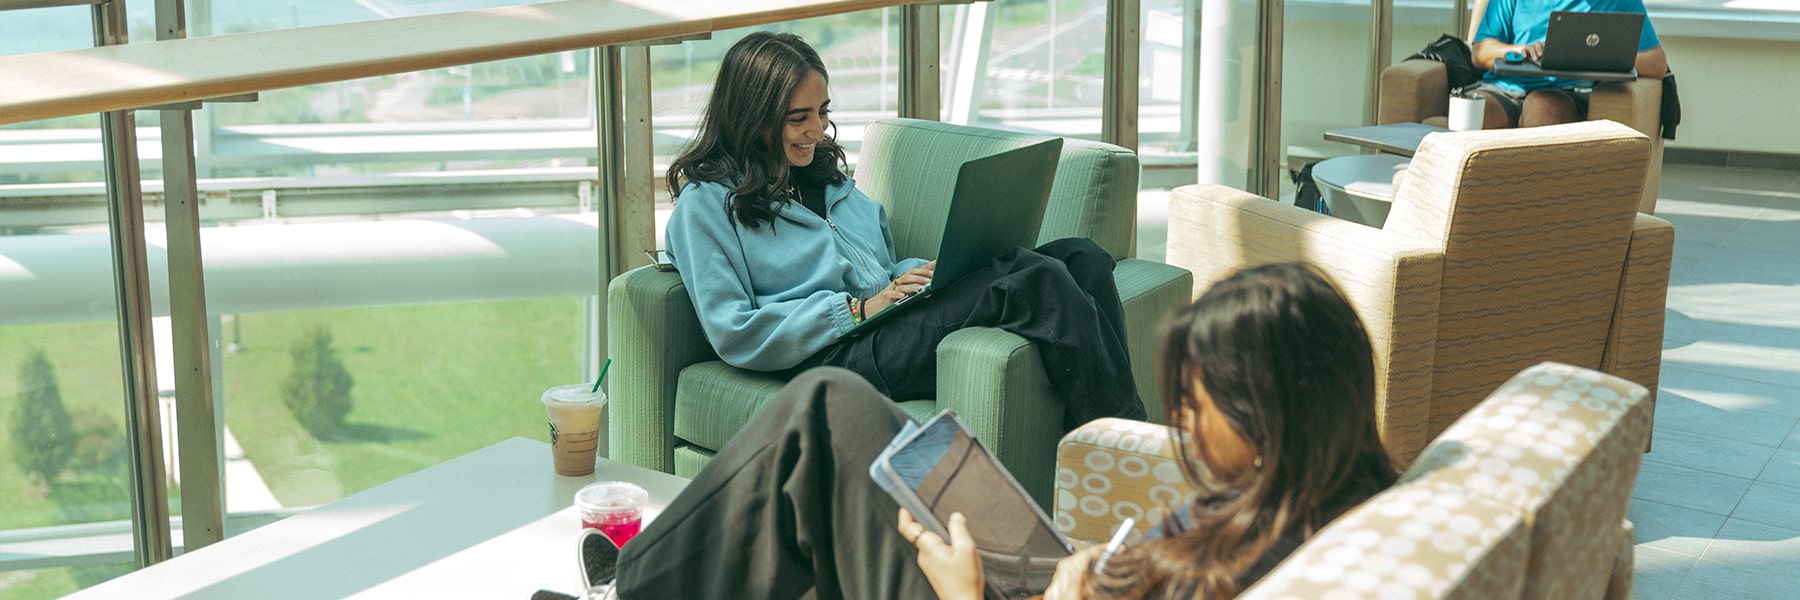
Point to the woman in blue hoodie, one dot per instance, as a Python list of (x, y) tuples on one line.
[(781, 254)]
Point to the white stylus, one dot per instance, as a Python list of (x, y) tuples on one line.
[(1112, 546)]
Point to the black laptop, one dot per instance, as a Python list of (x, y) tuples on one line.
[(1592, 41), (1601, 46), (998, 205)]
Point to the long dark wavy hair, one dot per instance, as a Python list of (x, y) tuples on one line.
[(1288, 363), (739, 143)]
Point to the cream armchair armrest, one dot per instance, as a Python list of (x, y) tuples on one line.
[(1413, 91), (1636, 104), (1391, 280), (1111, 469), (1424, 540), (1635, 340)]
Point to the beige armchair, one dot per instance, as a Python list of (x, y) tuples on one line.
[(1418, 91), (1567, 442), (1503, 249)]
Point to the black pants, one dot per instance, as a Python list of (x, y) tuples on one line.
[(787, 506), (1061, 297)]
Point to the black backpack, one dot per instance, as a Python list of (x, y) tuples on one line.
[(1459, 66), (1306, 192)]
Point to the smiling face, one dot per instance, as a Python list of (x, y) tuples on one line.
[(808, 114)]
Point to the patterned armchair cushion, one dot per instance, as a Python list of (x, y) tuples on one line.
[(1564, 444), (1425, 540), (1110, 469), (1523, 497)]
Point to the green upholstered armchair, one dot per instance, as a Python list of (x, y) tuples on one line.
[(673, 402)]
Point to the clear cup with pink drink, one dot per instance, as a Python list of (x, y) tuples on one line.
[(616, 508)]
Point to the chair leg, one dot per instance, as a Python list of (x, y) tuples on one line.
[(1618, 586)]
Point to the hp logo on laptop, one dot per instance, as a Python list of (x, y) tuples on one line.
[(1593, 39)]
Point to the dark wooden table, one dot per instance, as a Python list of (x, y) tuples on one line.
[(1396, 138)]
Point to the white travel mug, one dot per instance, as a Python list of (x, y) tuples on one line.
[(1467, 110)]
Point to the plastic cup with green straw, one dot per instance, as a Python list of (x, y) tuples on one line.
[(602, 377)]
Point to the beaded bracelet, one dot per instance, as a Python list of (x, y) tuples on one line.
[(856, 315)]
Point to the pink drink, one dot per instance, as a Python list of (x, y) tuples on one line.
[(620, 527), (616, 508)]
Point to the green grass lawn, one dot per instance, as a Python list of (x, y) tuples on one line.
[(86, 359), (431, 383)]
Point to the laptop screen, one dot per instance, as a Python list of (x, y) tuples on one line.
[(1592, 41)]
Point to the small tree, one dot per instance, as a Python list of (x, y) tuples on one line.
[(96, 486), (318, 389), (100, 451), (43, 434)]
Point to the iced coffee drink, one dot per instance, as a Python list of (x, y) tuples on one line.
[(576, 427)]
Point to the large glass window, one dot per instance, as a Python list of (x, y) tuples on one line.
[(414, 256), (64, 471), (860, 51), (64, 468), (397, 267), (1324, 74), (1044, 64)]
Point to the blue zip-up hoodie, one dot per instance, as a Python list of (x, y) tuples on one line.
[(771, 296)]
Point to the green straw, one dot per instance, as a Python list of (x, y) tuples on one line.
[(603, 369)]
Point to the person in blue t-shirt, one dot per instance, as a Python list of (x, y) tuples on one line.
[(1519, 26)]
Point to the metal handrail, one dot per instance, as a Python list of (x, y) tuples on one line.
[(6, 5), (47, 85)]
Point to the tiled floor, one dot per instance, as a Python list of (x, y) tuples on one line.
[(1717, 506)]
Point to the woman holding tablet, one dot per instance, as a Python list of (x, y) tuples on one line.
[(1276, 389)]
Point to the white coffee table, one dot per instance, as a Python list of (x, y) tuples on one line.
[(1359, 187), (495, 523)]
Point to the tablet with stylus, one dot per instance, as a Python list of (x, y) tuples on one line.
[(939, 468)]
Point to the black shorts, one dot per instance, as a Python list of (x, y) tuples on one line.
[(1513, 101)]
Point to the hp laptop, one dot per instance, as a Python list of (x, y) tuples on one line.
[(1606, 42), (998, 205)]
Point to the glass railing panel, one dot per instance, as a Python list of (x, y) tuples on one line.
[(65, 485), (1324, 74), (329, 401), (404, 228), (216, 17), (1420, 22), (1045, 62), (1166, 110), (397, 268), (46, 30), (860, 51)]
